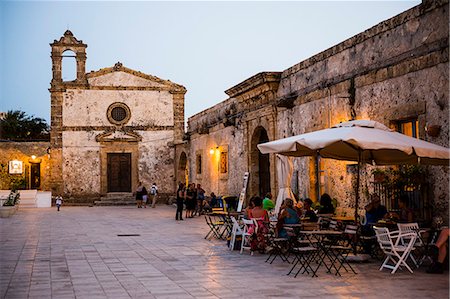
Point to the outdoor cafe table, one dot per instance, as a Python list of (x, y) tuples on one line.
[(344, 218), (324, 243)]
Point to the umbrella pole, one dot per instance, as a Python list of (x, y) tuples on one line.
[(357, 200)]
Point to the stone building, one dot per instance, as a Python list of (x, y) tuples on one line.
[(111, 128), (396, 73)]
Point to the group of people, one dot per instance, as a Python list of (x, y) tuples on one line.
[(193, 197), (260, 209), (142, 195)]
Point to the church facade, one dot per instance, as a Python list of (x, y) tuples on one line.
[(111, 128)]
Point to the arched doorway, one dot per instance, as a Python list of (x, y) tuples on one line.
[(183, 173), (259, 164)]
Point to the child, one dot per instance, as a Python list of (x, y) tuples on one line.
[(58, 201)]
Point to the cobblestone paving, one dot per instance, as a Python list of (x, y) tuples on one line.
[(77, 253)]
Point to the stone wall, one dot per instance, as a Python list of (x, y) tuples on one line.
[(392, 72), (395, 71), (23, 151)]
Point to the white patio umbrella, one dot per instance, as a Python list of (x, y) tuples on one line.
[(364, 141), (284, 173)]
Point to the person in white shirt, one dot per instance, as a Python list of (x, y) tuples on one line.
[(58, 202), (153, 194)]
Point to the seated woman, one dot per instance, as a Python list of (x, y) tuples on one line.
[(249, 208), (258, 238), (288, 215), (406, 214), (326, 204)]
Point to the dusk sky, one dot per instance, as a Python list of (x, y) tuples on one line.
[(206, 46)]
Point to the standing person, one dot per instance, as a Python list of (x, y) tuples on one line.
[(138, 193), (200, 199), (194, 200), (180, 200), (58, 201), (153, 194), (144, 197), (189, 201)]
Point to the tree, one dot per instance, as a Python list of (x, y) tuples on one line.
[(17, 125)]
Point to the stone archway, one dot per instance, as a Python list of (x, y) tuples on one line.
[(259, 164), (183, 172)]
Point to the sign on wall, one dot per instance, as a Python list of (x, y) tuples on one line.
[(15, 167)]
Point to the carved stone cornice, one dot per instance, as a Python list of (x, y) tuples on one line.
[(118, 67), (253, 82), (68, 40), (118, 136)]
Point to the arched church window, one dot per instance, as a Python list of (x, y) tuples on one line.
[(69, 66), (118, 113)]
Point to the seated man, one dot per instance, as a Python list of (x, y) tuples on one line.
[(374, 210), (441, 244)]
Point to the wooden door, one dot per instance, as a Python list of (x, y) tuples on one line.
[(119, 172), (35, 176)]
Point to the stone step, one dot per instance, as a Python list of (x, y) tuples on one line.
[(118, 202), (27, 203)]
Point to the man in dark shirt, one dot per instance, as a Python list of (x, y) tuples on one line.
[(374, 210)]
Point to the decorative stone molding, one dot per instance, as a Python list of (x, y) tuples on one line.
[(122, 136)]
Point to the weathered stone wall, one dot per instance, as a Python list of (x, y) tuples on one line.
[(235, 126), (395, 71), (23, 151), (87, 108)]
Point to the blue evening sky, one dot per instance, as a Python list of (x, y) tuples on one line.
[(206, 46)]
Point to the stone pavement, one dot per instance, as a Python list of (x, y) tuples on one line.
[(77, 253)]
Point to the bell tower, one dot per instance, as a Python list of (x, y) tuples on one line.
[(57, 90), (68, 43)]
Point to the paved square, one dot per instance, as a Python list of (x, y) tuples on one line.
[(77, 253)]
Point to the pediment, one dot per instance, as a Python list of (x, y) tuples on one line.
[(120, 76), (118, 136)]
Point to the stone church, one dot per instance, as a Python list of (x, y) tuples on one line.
[(111, 128)]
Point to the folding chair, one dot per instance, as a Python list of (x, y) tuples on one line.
[(414, 228), (278, 246), (214, 228), (303, 255), (250, 226), (237, 230), (395, 253)]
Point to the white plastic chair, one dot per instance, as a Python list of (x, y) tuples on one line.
[(413, 228), (395, 253), (249, 227), (236, 231)]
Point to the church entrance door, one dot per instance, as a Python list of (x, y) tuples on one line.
[(119, 172)]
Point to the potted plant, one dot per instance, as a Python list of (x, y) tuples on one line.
[(379, 175), (11, 205)]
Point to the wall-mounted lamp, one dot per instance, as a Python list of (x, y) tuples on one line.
[(33, 157), (212, 150), (433, 130)]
